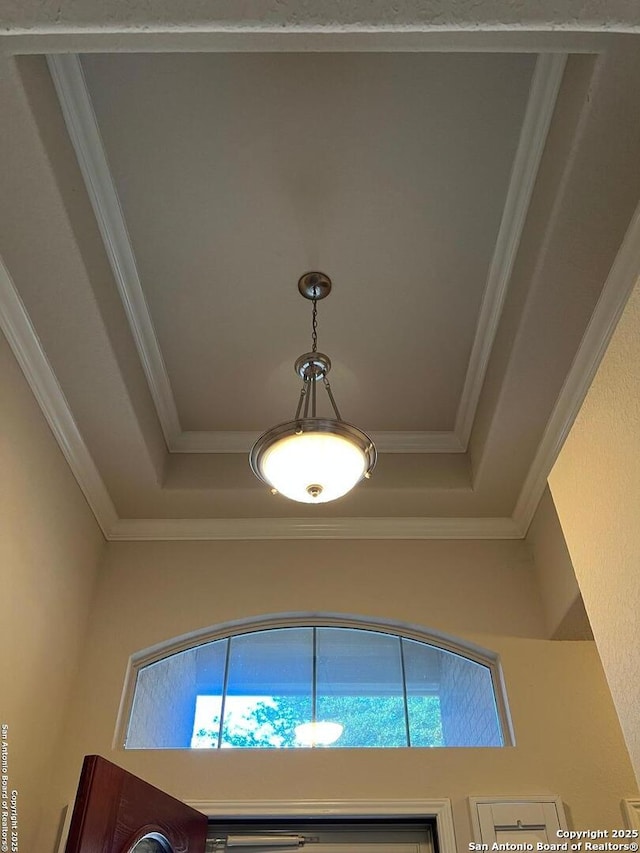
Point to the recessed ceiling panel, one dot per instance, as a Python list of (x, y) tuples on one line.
[(238, 172)]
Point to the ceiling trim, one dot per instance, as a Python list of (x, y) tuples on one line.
[(33, 361), (406, 17), (29, 353), (621, 280), (145, 529), (543, 94), (26, 346), (386, 442), (28, 350), (68, 77)]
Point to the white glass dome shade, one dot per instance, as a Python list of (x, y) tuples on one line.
[(318, 733), (313, 460)]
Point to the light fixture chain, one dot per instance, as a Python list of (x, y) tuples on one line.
[(314, 323)]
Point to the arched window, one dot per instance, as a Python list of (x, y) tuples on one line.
[(310, 685)]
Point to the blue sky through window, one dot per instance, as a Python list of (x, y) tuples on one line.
[(277, 688)]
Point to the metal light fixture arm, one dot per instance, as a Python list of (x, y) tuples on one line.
[(313, 459)]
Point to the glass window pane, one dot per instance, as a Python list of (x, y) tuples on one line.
[(459, 690), (270, 700), (210, 668), (359, 686), (422, 665), (163, 712), (269, 688)]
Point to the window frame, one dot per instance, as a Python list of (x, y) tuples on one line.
[(193, 640)]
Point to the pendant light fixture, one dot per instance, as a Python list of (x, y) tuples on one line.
[(313, 459)]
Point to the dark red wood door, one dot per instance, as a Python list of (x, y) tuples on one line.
[(114, 810)]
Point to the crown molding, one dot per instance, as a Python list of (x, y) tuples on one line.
[(543, 94), (177, 529), (620, 282), (27, 348), (33, 361), (77, 109), (44, 384), (360, 17), (28, 351), (385, 442), (82, 125)]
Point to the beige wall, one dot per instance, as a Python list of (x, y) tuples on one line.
[(50, 550), (568, 740), (596, 489), (561, 598)]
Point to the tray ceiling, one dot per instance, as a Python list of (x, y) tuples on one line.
[(242, 171), (169, 202)]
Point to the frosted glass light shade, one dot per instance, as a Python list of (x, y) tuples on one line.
[(318, 734), (314, 460), (298, 465)]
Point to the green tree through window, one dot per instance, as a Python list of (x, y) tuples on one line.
[(305, 685), (271, 723)]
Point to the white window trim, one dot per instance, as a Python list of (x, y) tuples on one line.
[(427, 809), (267, 622)]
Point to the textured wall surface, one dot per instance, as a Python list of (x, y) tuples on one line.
[(557, 580), (596, 489), (568, 741)]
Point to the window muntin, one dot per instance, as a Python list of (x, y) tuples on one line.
[(263, 688), (269, 688), (359, 684)]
